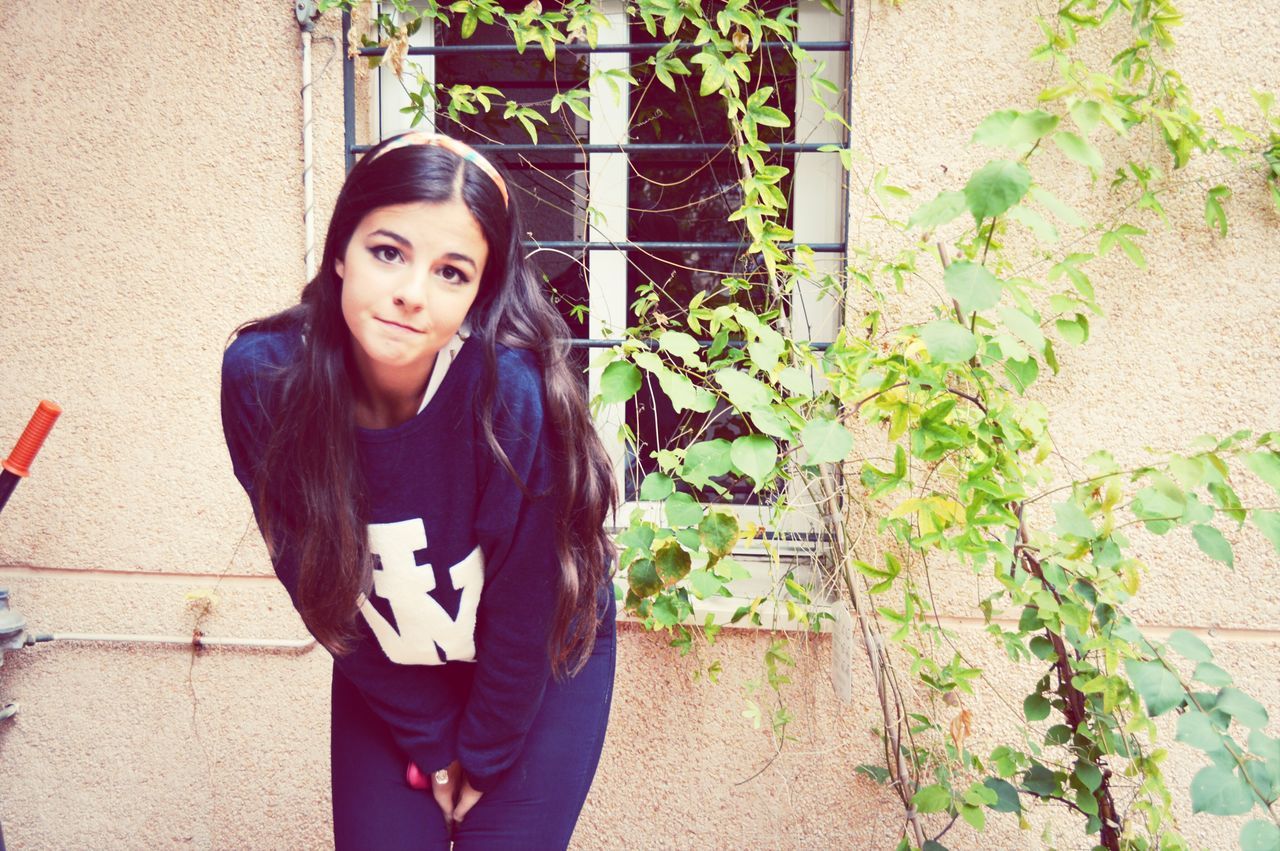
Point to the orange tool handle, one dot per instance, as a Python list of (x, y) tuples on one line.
[(19, 460)]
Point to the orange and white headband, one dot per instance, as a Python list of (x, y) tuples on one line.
[(462, 149)]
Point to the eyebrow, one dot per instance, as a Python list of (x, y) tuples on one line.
[(400, 240), (393, 236)]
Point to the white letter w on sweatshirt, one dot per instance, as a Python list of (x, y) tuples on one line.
[(406, 585)]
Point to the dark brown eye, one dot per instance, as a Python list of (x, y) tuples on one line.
[(453, 275)]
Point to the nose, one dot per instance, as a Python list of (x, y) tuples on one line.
[(412, 292)]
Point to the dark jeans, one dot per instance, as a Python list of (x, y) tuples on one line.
[(536, 803)]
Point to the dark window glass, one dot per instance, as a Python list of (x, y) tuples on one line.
[(686, 196)]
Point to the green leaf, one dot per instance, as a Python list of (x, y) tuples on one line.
[(755, 455), (769, 421), (1220, 791), (1022, 372), (996, 187), (976, 818), (797, 381), (1042, 781), (1086, 114), (1023, 326), (1079, 150), (671, 561), (932, 799), (1195, 729), (1154, 503), (681, 391), (1009, 128), (1213, 544), (878, 773), (745, 392), (1158, 686), (619, 382), (657, 486), (1089, 775), (1214, 214), (766, 351), (682, 510), (948, 341), (1036, 707), (1121, 236), (469, 22), (719, 532), (1074, 331), (1007, 800), (689, 539), (713, 78), (1073, 521), (1211, 675), (1243, 708), (1034, 222), (826, 441), (1268, 748), (1268, 522), (1005, 761), (1189, 472), (939, 211), (1266, 466), (637, 536), (1066, 214), (996, 130), (668, 610), (1260, 835), (1058, 734), (972, 286), (705, 460), (680, 345), (978, 795), (705, 584), (643, 579), (1189, 645), (1043, 648)]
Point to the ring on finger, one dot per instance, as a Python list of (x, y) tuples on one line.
[(441, 777)]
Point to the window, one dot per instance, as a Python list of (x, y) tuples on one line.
[(630, 204)]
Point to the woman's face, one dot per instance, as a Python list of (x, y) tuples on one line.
[(409, 275)]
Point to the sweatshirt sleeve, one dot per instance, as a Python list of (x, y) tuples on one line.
[(243, 416), (420, 704), (516, 529)]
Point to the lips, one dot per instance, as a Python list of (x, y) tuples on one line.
[(398, 325)]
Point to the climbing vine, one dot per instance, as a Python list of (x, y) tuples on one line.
[(912, 437)]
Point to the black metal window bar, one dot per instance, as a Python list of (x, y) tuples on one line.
[(353, 149)]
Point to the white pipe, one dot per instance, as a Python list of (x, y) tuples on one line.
[(300, 644), (308, 199)]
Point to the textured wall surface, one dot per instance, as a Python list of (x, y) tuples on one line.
[(152, 201)]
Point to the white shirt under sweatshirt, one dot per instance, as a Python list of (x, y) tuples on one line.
[(444, 359)]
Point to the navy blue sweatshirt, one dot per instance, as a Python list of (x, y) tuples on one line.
[(452, 648)]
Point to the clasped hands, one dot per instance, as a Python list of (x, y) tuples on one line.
[(453, 792)]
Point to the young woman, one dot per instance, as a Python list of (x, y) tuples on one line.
[(433, 495)]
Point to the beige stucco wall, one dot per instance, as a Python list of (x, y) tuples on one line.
[(151, 202)]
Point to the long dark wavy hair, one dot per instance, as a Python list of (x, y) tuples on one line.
[(309, 485)]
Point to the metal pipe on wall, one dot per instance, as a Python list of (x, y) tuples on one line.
[(299, 644), (306, 12)]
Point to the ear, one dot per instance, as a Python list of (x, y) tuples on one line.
[(339, 267)]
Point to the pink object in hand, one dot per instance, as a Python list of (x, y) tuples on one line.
[(415, 778)]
